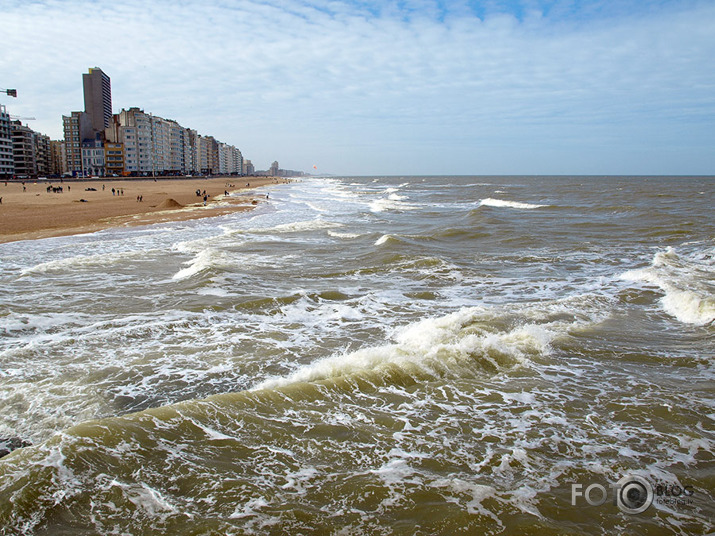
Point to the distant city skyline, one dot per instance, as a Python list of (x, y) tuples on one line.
[(412, 87)]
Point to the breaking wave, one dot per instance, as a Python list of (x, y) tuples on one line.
[(686, 281), (489, 202), (471, 341)]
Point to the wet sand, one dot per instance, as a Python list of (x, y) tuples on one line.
[(32, 212)]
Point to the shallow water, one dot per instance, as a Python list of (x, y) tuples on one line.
[(383, 355)]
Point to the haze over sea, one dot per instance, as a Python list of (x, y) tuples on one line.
[(374, 355)]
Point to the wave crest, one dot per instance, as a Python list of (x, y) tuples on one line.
[(687, 282), (500, 203), (465, 343)]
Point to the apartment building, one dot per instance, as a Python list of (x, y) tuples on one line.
[(114, 158), (7, 162), (31, 151), (77, 127), (98, 98), (93, 162), (43, 154), (58, 157)]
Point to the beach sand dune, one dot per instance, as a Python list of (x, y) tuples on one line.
[(169, 204), (39, 209)]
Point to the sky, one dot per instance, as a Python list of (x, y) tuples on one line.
[(366, 87)]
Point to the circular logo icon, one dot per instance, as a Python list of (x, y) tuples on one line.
[(633, 494)]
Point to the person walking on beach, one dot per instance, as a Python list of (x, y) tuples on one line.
[(205, 198)]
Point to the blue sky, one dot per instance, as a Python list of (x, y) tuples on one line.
[(407, 87)]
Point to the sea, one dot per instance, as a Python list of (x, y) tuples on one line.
[(370, 356)]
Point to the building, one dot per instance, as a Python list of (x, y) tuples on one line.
[(156, 146), (7, 162), (248, 168), (93, 163), (58, 157), (135, 130), (114, 158), (191, 152), (23, 150), (43, 154), (77, 128), (275, 170), (98, 98), (84, 131)]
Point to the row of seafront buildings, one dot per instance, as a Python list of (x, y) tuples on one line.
[(100, 143), (24, 152)]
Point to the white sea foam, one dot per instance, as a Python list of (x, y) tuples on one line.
[(204, 260), (392, 202), (84, 261), (344, 235), (501, 203), (300, 226), (687, 282), (383, 239), (447, 345)]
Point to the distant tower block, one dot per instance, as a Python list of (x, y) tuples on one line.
[(98, 98)]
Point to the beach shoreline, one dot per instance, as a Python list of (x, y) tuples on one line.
[(32, 210)]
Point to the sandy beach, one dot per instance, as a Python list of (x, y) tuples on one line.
[(35, 210)]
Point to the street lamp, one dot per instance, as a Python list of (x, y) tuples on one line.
[(10, 92)]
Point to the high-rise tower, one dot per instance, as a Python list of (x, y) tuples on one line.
[(98, 98)]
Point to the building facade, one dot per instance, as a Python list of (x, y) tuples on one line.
[(23, 150), (43, 154), (114, 158), (98, 98), (77, 128), (58, 157), (93, 164), (7, 162)]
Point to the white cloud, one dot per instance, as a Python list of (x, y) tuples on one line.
[(307, 81)]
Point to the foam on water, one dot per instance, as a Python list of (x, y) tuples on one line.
[(688, 282), (346, 236), (206, 259), (384, 239), (85, 261), (451, 346), (500, 203), (301, 226), (391, 203)]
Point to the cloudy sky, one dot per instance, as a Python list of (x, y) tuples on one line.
[(390, 87)]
